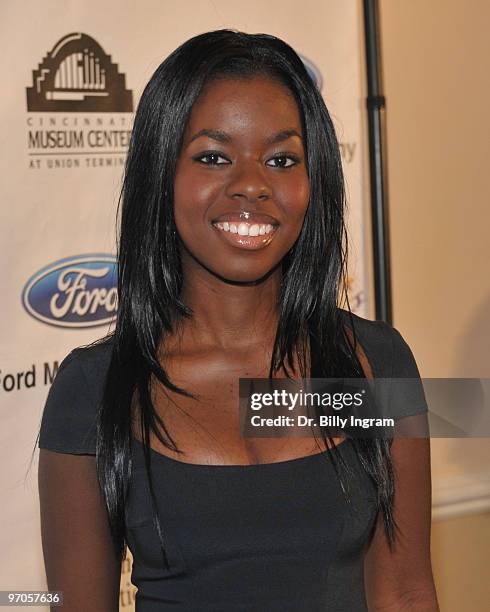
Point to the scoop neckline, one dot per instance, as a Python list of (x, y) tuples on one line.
[(236, 466)]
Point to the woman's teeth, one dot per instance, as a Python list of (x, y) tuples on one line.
[(245, 229)]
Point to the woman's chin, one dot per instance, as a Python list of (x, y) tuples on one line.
[(243, 274), (229, 269), (244, 277)]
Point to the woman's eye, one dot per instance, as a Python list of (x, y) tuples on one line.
[(211, 159), (283, 161)]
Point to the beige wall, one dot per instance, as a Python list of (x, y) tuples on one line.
[(436, 80), (460, 551)]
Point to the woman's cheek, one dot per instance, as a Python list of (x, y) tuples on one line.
[(193, 196), (294, 201)]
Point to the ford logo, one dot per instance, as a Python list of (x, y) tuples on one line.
[(313, 71), (78, 291)]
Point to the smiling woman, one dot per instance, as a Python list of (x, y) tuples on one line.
[(231, 264), (244, 186)]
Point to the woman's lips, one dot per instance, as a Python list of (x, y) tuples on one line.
[(244, 216), (246, 229), (246, 234)]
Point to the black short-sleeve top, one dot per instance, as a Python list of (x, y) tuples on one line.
[(266, 537)]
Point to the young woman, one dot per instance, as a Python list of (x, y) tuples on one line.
[(232, 260)]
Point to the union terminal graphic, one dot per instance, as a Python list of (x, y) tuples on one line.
[(78, 76)]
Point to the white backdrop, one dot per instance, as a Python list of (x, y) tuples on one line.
[(66, 117)]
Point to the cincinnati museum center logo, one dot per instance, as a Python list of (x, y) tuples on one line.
[(79, 108)]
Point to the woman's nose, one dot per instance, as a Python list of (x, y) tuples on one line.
[(248, 181)]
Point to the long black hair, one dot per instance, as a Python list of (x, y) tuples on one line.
[(150, 279)]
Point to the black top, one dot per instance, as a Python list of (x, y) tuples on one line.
[(253, 538)]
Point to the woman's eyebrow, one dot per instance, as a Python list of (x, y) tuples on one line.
[(282, 135), (221, 136), (218, 135)]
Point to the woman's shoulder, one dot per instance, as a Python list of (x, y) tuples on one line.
[(388, 352), (84, 368), (69, 415), (92, 359)]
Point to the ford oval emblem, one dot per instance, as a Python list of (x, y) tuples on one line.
[(78, 291), (313, 71)]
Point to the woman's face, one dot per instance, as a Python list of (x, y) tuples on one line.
[(241, 185)]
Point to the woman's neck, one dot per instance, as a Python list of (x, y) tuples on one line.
[(227, 315)]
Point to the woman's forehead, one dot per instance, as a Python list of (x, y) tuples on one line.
[(238, 107)]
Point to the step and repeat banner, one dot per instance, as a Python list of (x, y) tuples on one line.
[(72, 73)]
